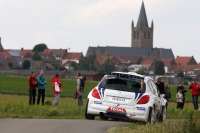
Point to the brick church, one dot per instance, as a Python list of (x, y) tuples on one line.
[(141, 42)]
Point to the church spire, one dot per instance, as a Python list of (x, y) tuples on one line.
[(142, 17), (1, 47)]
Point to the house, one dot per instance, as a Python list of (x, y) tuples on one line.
[(185, 60), (72, 56), (93, 76), (59, 54)]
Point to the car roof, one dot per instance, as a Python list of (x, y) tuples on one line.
[(128, 75)]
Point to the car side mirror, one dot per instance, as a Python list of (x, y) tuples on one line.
[(162, 95)]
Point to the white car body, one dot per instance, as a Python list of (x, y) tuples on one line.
[(123, 101)]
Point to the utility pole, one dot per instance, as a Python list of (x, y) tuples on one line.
[(69, 61)]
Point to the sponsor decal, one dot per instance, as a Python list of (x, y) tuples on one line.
[(131, 115), (134, 107), (115, 109), (101, 92), (97, 102), (141, 108), (137, 96)]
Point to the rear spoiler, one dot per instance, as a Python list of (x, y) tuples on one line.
[(124, 75)]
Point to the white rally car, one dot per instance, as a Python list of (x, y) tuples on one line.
[(121, 95)]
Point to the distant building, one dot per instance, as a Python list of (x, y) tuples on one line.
[(141, 43)]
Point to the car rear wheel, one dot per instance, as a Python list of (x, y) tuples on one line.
[(151, 117), (163, 114), (103, 117), (88, 116)]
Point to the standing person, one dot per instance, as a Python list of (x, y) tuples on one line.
[(41, 87), (183, 90), (179, 99), (195, 92), (167, 93), (160, 85), (32, 88), (57, 87), (79, 89)]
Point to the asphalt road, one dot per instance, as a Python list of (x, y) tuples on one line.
[(56, 126)]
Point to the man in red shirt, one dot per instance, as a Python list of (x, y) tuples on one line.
[(195, 92), (57, 88), (32, 88)]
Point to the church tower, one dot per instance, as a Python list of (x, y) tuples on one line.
[(142, 34), (1, 47)]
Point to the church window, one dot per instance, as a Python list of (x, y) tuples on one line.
[(145, 35), (134, 34), (148, 35), (137, 34)]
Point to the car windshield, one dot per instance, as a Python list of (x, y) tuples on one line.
[(123, 84)]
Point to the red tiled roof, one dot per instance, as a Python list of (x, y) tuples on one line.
[(5, 54), (120, 59), (147, 62), (73, 55), (24, 52), (167, 61), (183, 60), (102, 59)]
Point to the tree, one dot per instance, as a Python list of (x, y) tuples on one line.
[(36, 57), (26, 64), (87, 63), (125, 70), (40, 47), (10, 64), (108, 66), (159, 68), (180, 74), (142, 72)]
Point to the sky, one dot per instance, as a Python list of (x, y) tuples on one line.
[(78, 24)]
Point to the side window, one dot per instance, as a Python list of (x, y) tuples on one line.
[(103, 83), (151, 87), (155, 88)]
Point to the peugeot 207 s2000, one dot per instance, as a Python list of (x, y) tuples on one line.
[(126, 96)]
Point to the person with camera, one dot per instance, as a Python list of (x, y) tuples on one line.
[(194, 86), (183, 91), (160, 85)]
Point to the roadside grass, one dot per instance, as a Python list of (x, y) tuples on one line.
[(16, 106)]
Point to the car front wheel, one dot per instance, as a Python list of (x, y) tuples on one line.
[(88, 116)]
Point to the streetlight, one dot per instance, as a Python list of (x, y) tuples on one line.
[(69, 62)]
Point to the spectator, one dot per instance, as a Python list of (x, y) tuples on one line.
[(41, 88), (167, 93), (79, 89), (183, 91), (160, 85), (179, 99), (32, 88), (57, 88), (195, 92)]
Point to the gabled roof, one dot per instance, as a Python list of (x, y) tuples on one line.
[(184, 60), (167, 61), (183, 68), (102, 59), (24, 52), (47, 57), (57, 52), (14, 52), (73, 55), (142, 19), (5, 54), (132, 59), (136, 51), (147, 62)]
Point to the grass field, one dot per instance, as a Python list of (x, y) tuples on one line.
[(14, 104), (19, 85)]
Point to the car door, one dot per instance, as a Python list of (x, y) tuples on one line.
[(156, 94)]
